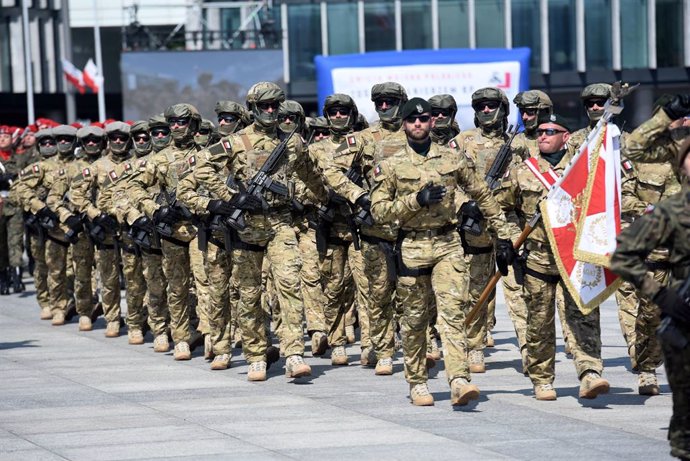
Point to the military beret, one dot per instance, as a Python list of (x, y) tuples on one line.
[(4, 129), (556, 119), (415, 106)]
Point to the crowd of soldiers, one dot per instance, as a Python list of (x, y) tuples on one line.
[(271, 223)]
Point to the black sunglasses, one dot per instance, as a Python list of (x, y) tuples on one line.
[(227, 118), (549, 131), (265, 105), (118, 137), (333, 111), (291, 117), (47, 142), (530, 112), (389, 101), (439, 112), (64, 139), (160, 130), (179, 121), (421, 118), (92, 140), (141, 137), (203, 131), (492, 105), (592, 102)]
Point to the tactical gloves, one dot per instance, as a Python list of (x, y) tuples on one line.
[(245, 201), (431, 195), (74, 223), (364, 202), (678, 107), (167, 215), (107, 222), (220, 207), (505, 255)]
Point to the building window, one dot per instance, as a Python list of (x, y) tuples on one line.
[(526, 32), (304, 25), (669, 33), (343, 37), (490, 24), (379, 26), (634, 34), (452, 24), (416, 24), (598, 34), (562, 39)]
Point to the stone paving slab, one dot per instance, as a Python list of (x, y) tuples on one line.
[(69, 395)]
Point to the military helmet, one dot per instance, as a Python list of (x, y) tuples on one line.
[(313, 124), (118, 130), (206, 133), (46, 150), (533, 99), (445, 102), (500, 115), (92, 131), (389, 89), (596, 91), (340, 125), (140, 126), (159, 125), (237, 112), (65, 131), (183, 110), (264, 92), (158, 120)]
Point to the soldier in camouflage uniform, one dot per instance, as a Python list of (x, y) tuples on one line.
[(32, 192), (92, 140), (336, 155), (91, 197), (11, 222), (541, 274), (376, 305), (317, 129), (160, 133), (415, 190), (128, 214), (160, 176), (268, 230), (659, 138), (481, 145), (667, 225), (593, 98), (22, 194)]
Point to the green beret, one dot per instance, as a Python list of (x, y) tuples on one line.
[(415, 106), (558, 120)]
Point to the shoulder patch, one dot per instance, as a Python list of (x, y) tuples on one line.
[(35, 168), (142, 164), (627, 166), (218, 148), (377, 170), (128, 167), (351, 140), (86, 172), (113, 175), (61, 172), (192, 160), (454, 144)]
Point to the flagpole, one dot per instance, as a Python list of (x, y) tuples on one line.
[(99, 62), (28, 66), (70, 101)]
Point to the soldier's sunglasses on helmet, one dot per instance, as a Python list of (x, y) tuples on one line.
[(321, 132), (141, 137), (265, 105), (179, 121), (388, 101), (164, 131), (65, 139), (333, 111), (440, 112), (227, 118), (92, 140), (47, 142), (530, 112), (479, 106), (592, 102), (118, 137), (203, 131), (421, 118), (291, 117), (549, 131)]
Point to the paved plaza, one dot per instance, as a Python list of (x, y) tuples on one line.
[(66, 395)]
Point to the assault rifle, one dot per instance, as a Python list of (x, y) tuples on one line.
[(501, 162), (262, 182), (174, 206)]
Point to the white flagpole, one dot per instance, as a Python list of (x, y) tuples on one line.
[(99, 62), (28, 65)]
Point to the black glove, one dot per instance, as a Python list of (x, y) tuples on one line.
[(220, 207), (672, 305), (5, 181), (245, 201), (431, 195), (107, 222), (166, 214), (47, 218), (505, 255), (142, 223), (74, 223), (336, 198), (364, 202), (678, 107)]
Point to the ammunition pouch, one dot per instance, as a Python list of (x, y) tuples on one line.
[(520, 267)]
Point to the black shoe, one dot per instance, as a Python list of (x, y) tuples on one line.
[(272, 355), (71, 312), (4, 282), (97, 312)]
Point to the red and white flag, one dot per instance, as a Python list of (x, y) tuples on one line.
[(582, 217), (73, 75), (92, 76)]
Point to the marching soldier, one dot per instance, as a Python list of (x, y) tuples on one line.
[(666, 225), (415, 189)]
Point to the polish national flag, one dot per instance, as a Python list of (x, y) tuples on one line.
[(582, 217), (92, 76), (73, 75)]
